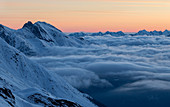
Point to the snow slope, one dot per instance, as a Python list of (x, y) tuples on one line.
[(23, 83)]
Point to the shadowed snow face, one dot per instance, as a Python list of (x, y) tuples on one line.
[(120, 64)]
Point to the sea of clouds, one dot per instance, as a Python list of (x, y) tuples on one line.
[(131, 71)]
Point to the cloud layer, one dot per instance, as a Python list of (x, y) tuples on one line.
[(134, 66)]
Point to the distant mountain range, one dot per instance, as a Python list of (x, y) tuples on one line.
[(144, 32), (120, 33), (81, 34)]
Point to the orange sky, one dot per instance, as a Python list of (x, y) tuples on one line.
[(88, 15)]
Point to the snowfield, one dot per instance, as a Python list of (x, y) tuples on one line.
[(42, 66)]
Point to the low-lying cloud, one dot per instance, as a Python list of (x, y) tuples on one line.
[(81, 78), (120, 64)]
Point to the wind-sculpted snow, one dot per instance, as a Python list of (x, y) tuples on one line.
[(122, 71)]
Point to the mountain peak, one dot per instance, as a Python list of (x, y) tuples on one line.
[(28, 24), (166, 30)]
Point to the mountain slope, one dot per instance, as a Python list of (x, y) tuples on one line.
[(25, 83)]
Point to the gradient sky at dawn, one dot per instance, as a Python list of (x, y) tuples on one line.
[(88, 15)]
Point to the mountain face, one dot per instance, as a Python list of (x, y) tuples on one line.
[(23, 82), (33, 39)]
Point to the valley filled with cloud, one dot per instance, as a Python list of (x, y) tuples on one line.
[(115, 70)]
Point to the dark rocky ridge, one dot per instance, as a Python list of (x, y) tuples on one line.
[(7, 95), (50, 102)]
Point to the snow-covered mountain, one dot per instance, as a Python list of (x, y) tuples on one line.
[(24, 83), (34, 39)]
